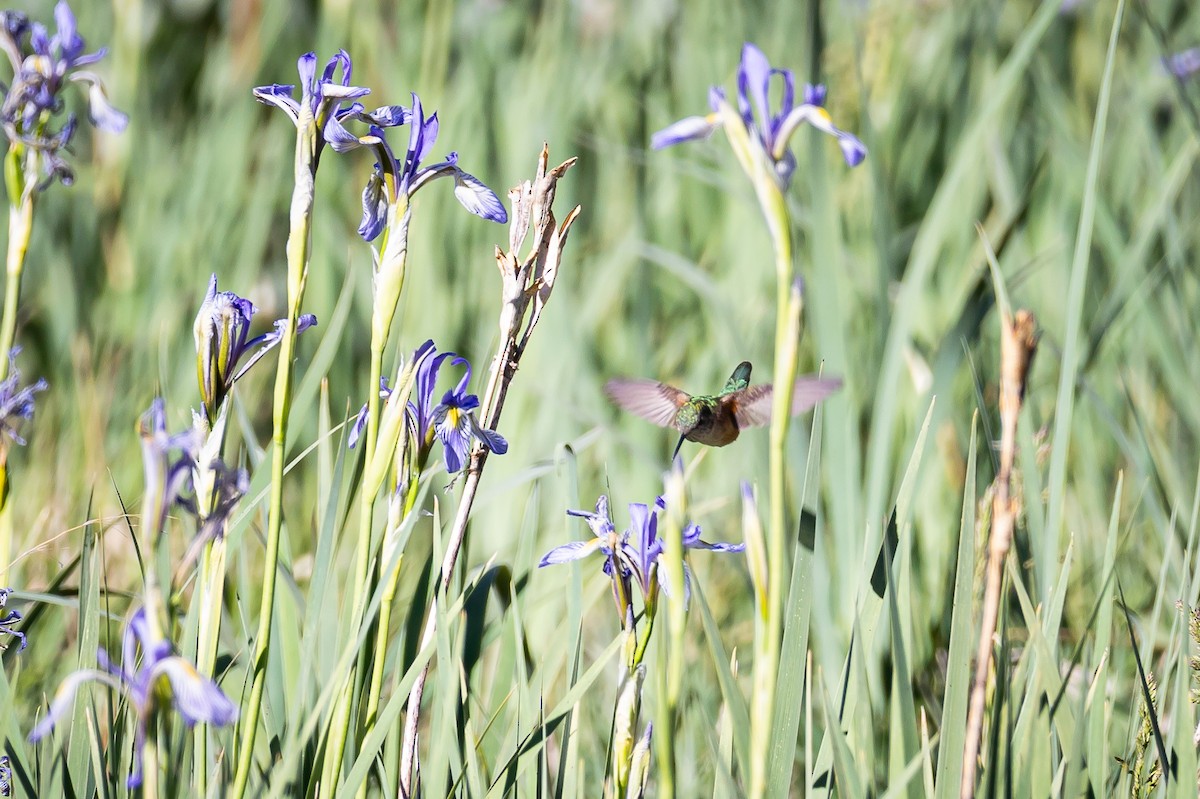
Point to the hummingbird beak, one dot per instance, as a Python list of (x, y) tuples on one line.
[(678, 446)]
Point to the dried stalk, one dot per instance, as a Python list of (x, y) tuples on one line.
[(1018, 342), (527, 284)]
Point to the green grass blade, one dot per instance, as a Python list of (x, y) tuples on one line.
[(958, 660), (1047, 552)]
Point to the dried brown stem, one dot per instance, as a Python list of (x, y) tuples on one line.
[(527, 282), (1018, 341)]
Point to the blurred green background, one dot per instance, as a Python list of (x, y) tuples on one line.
[(668, 275)]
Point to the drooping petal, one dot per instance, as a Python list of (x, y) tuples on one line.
[(267, 341), (356, 429), (490, 438), (573, 550), (280, 96), (454, 433), (64, 698), (100, 112), (390, 116), (197, 698), (494, 441), (477, 198), (340, 139), (686, 129), (853, 150), (374, 206)]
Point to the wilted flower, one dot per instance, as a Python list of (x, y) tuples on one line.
[(221, 331), (394, 181), (162, 677), (8, 624), (625, 718), (42, 66), (16, 404), (639, 765), (770, 130), (227, 487), (165, 477)]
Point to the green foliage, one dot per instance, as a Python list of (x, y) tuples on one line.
[(980, 112)]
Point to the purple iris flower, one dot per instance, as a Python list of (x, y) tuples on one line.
[(221, 331), (649, 547), (198, 699), (321, 99), (16, 403), (456, 425), (420, 412), (8, 624), (320, 102), (771, 129), (42, 66), (394, 181), (452, 421), (607, 542), (1184, 64), (636, 551), (605, 538), (5, 777)]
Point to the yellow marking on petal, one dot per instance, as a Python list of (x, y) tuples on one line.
[(452, 416), (821, 112)]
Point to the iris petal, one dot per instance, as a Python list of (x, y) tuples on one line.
[(477, 198), (686, 129)]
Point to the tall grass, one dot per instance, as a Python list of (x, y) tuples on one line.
[(1076, 160)]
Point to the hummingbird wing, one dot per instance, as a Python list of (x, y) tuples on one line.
[(653, 401), (739, 379), (752, 407)]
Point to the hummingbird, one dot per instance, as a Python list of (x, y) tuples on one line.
[(714, 419)]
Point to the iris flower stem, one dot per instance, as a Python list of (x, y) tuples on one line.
[(375, 689), (389, 283), (639, 653), (759, 167), (787, 336), (211, 589), (340, 728), (20, 227), (297, 265), (150, 761), (212, 581)]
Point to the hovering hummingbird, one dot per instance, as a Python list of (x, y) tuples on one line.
[(715, 419)]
